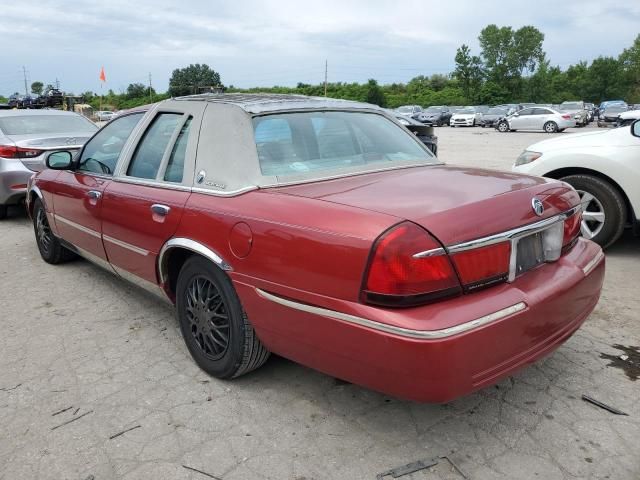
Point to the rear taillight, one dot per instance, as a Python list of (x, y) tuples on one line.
[(483, 266), (408, 267), (572, 227), (11, 151), (566, 116)]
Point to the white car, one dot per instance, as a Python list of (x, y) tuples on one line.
[(467, 117), (104, 115), (627, 118), (604, 167)]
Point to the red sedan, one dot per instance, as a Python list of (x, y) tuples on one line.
[(325, 232)]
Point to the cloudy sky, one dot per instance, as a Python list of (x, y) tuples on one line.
[(264, 43)]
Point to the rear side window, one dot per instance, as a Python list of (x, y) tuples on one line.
[(147, 158), (526, 111), (175, 167)]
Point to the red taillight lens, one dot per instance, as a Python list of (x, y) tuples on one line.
[(11, 151), (566, 116), (483, 266), (572, 227), (396, 277)]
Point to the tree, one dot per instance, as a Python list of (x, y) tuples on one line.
[(189, 80), (36, 88), (374, 94), (468, 72), (137, 90), (630, 71), (605, 79)]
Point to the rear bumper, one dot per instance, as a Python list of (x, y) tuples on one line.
[(554, 300), (13, 181)]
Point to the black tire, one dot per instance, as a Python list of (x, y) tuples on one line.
[(560, 130), (51, 250), (550, 127), (612, 203), (3, 212), (503, 126), (241, 351)]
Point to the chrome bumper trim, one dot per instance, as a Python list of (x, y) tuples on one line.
[(128, 246), (403, 332), (593, 263), (77, 226)]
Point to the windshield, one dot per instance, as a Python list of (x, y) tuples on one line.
[(301, 144), (433, 110), (45, 124), (497, 111), (466, 110)]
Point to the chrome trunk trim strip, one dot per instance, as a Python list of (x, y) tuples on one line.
[(430, 253), (403, 332)]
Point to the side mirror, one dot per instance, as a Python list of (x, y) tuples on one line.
[(635, 128), (59, 160)]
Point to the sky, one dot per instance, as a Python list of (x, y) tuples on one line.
[(265, 43)]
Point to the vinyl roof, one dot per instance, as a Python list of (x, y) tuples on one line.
[(269, 102)]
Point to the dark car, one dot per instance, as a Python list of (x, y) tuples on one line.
[(493, 116), (437, 116), (609, 114), (424, 132)]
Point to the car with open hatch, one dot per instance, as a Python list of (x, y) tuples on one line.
[(324, 231)]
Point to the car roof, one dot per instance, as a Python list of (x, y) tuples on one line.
[(257, 103), (28, 112)]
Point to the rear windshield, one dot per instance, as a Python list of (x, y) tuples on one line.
[(330, 143), (45, 124)]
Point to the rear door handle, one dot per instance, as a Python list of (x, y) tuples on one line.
[(94, 194), (159, 209)]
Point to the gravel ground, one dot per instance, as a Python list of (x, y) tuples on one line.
[(85, 356)]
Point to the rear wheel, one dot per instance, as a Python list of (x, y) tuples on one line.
[(3, 212), (51, 250), (503, 126), (214, 326), (550, 127), (603, 209)]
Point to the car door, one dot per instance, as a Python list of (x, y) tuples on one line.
[(143, 206), (522, 119), (77, 194)]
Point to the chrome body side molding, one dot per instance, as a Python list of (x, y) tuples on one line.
[(77, 226), (187, 244), (128, 246), (403, 332)]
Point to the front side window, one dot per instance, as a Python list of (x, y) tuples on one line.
[(147, 158), (101, 153), (328, 143)]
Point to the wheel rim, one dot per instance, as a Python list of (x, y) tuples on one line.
[(208, 317), (593, 216), (43, 231), (549, 127), (502, 127)]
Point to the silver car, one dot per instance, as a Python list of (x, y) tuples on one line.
[(25, 136), (537, 118)]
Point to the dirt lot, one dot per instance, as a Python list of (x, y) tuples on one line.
[(80, 346)]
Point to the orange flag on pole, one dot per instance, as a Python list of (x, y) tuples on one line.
[(103, 77)]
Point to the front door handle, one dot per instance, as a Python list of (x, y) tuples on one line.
[(159, 209), (94, 194)]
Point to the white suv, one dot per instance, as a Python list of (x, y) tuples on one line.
[(604, 167)]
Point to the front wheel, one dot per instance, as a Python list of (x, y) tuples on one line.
[(603, 209), (503, 127), (214, 326), (550, 127), (51, 250)]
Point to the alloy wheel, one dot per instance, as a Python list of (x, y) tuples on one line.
[(43, 230), (208, 317), (593, 216)]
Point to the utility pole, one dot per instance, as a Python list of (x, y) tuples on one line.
[(24, 72), (325, 77), (150, 97)]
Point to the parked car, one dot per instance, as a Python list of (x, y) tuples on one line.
[(465, 117), (578, 110), (334, 238), (537, 118), (424, 132), (609, 114), (25, 137), (437, 116), (412, 111), (493, 116), (104, 115), (603, 167), (591, 111), (628, 117)]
